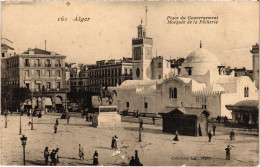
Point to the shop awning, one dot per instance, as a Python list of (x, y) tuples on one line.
[(48, 101), (58, 100)]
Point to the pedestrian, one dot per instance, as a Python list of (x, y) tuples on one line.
[(214, 129), (113, 143), (176, 138), (232, 135), (68, 118), (141, 125), (87, 118), (46, 155), (90, 118), (57, 156), (57, 121), (81, 152), (55, 128), (153, 120), (82, 114), (95, 158), (52, 155), (137, 161), (134, 113), (132, 161), (228, 152), (210, 136), (137, 114), (116, 141), (226, 120)]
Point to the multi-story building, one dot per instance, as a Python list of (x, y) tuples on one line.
[(7, 50), (79, 78), (109, 73), (42, 72), (255, 52)]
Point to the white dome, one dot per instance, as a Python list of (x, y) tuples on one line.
[(201, 55), (200, 62)]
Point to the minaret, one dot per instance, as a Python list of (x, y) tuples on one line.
[(142, 52)]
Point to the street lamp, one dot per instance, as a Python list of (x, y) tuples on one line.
[(23, 140), (20, 122), (6, 119), (140, 131), (32, 120)]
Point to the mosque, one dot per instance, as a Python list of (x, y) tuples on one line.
[(200, 82)]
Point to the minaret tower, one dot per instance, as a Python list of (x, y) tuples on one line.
[(142, 53)]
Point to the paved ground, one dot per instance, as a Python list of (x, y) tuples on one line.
[(156, 148)]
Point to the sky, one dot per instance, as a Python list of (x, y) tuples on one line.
[(112, 25)]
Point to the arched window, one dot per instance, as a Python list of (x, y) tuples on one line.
[(246, 92), (175, 93), (159, 65), (189, 72)]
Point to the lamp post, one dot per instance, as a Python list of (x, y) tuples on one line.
[(20, 132), (23, 140), (140, 131), (6, 119), (32, 121)]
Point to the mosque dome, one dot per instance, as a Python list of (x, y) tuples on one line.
[(199, 62), (201, 55)]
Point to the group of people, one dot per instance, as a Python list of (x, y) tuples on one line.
[(222, 119), (135, 160), (53, 155), (114, 142)]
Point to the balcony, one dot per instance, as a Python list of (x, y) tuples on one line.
[(50, 90), (47, 65), (27, 64), (37, 65), (57, 65)]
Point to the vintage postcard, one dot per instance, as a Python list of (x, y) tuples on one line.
[(137, 83)]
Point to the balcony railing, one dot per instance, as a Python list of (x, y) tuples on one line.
[(57, 65), (47, 65), (50, 90), (37, 65), (27, 64)]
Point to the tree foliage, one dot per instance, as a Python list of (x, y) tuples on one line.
[(13, 98)]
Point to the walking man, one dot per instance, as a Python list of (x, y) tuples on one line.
[(214, 129), (46, 155), (53, 157), (113, 143), (232, 135), (116, 141), (57, 156), (141, 125), (87, 118), (55, 128), (228, 152), (95, 158), (210, 136), (57, 121), (81, 152)]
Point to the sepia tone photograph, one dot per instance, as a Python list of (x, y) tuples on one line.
[(137, 83)]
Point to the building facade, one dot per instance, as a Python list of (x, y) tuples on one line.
[(109, 73), (79, 78), (42, 72), (200, 82)]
